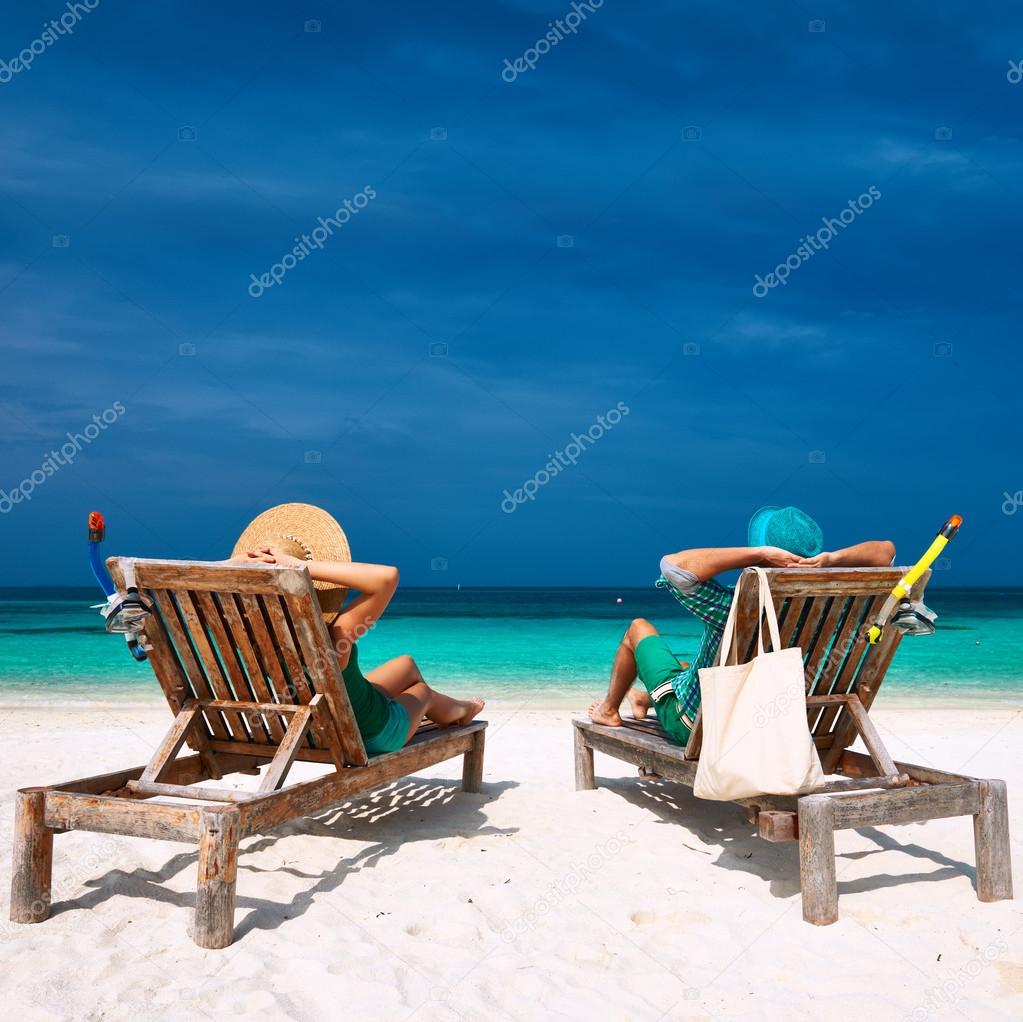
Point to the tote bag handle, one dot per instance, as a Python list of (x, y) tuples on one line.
[(729, 652)]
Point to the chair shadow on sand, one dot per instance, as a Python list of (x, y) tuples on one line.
[(407, 810), (723, 824)]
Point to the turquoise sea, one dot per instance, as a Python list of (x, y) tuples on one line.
[(544, 647)]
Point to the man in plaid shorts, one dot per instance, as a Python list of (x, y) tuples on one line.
[(672, 686)]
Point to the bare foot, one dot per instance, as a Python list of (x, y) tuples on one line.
[(473, 707), (640, 701), (601, 713)]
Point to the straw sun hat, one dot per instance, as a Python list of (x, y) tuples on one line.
[(306, 532)]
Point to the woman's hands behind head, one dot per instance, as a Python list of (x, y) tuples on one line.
[(270, 554)]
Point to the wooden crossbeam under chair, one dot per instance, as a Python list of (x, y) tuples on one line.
[(245, 662), (823, 611)]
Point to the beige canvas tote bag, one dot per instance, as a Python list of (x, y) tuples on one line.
[(755, 736)]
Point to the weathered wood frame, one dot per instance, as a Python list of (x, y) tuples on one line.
[(320, 728), (872, 789)]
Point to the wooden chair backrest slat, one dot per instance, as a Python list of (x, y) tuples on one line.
[(320, 660), (245, 633), (227, 657), (168, 636), (202, 648), (270, 728), (825, 612), (792, 613), (268, 661)]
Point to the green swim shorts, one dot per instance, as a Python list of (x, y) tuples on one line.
[(660, 671)]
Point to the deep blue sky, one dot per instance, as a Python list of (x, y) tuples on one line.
[(895, 352)]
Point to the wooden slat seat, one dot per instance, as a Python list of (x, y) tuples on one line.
[(245, 662), (823, 612)]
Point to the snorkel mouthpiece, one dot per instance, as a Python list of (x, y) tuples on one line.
[(951, 527), (97, 527)]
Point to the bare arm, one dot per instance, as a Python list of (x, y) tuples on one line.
[(875, 553), (706, 562), (375, 584), (366, 578)]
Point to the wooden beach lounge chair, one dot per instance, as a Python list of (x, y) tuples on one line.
[(823, 611), (245, 661)]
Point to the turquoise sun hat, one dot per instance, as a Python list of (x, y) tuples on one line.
[(788, 528)]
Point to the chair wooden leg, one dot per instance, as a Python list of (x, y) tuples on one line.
[(472, 764), (817, 878), (584, 780), (218, 871), (991, 840), (32, 868)]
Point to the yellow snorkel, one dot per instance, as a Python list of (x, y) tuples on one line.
[(910, 618)]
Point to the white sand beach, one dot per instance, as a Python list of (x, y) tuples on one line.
[(529, 901)]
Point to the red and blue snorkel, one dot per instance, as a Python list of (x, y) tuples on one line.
[(125, 613)]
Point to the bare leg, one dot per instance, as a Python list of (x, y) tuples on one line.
[(623, 674), (401, 680)]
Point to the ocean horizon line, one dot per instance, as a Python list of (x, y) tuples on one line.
[(90, 591)]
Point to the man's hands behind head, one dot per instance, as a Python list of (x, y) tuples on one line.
[(776, 557), (822, 560)]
